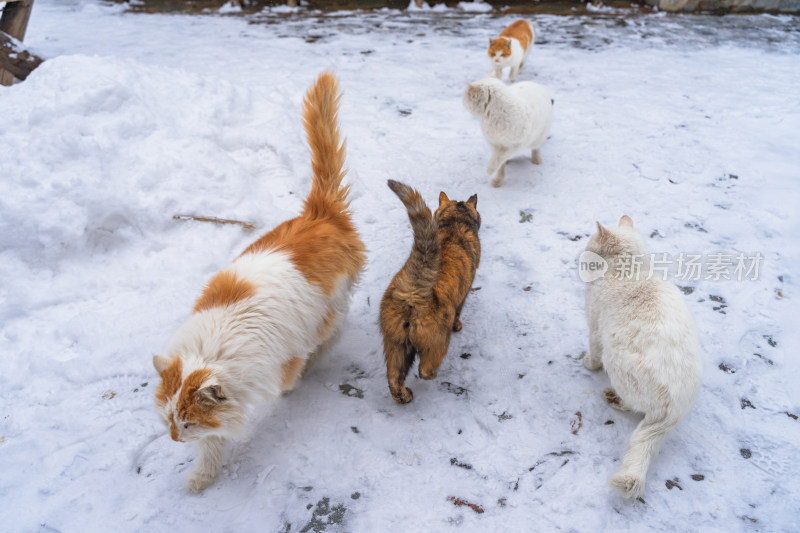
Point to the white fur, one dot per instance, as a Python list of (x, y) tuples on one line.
[(246, 344), (514, 62), (642, 333), (513, 118)]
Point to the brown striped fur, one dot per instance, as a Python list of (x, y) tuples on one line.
[(423, 303)]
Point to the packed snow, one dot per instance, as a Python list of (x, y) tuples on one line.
[(689, 124)]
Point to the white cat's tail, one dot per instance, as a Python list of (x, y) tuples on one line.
[(320, 110), (643, 447)]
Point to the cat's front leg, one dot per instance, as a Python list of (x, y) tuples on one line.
[(207, 466), (536, 156), (498, 178), (512, 74)]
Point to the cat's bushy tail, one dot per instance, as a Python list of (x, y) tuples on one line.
[(320, 110), (422, 266), (643, 447)]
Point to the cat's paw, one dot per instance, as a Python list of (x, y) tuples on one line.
[(592, 364), (425, 373), (403, 395), (612, 399), (457, 325), (199, 481), (628, 485)]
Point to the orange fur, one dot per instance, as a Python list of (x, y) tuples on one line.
[(224, 289), (323, 250), (170, 381), (321, 122), (190, 408), (327, 326), (521, 31), (322, 242), (502, 45), (291, 371)]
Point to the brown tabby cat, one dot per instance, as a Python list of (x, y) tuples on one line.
[(424, 300)]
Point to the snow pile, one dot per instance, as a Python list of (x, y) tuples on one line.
[(475, 6)]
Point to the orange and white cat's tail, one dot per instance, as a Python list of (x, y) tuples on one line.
[(422, 267), (320, 110)]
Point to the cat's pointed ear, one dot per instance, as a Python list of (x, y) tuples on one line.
[(160, 363), (491, 41), (508, 43), (626, 221), (473, 201), (443, 198), (603, 232), (210, 396)]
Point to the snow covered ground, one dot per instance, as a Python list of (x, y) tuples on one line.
[(688, 124)]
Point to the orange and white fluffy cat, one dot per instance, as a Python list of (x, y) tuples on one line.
[(511, 49), (262, 321)]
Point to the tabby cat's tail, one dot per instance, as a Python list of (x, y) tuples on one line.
[(422, 266), (320, 110)]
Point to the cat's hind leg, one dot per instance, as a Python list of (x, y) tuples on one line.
[(399, 358), (643, 447), (432, 353), (536, 156), (457, 321), (612, 399), (207, 466)]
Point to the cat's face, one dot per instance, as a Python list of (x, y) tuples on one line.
[(451, 211), (191, 406), (624, 239), (499, 50)]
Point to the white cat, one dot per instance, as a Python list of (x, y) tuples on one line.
[(641, 332), (513, 118)]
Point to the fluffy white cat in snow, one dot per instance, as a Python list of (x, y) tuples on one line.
[(513, 118), (641, 332)]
